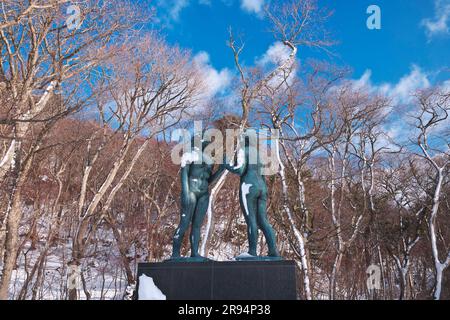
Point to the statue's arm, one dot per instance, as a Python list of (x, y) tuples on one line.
[(241, 165), (210, 162), (236, 170), (239, 169), (185, 178)]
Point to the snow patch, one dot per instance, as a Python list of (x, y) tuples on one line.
[(129, 292), (148, 290), (245, 191), (190, 157), (244, 256)]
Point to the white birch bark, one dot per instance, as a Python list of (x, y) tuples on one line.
[(22, 127), (214, 192), (298, 235), (440, 266)]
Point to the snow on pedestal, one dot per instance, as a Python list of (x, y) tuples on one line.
[(148, 290), (244, 256)]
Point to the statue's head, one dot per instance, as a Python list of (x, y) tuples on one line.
[(250, 138)]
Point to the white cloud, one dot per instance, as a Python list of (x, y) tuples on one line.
[(215, 81), (446, 85), (439, 24), (276, 54), (398, 127), (253, 6), (365, 80), (416, 79), (399, 92), (173, 8), (176, 7)]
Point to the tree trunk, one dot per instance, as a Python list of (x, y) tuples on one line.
[(13, 218), (298, 235), (334, 274), (439, 266), (208, 230)]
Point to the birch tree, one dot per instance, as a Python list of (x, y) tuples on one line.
[(402, 233), (149, 88), (432, 118), (349, 115), (293, 23), (43, 62), (279, 108)]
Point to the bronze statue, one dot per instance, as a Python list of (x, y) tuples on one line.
[(196, 176), (253, 199)]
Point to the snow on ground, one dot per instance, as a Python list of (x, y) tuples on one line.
[(148, 290)]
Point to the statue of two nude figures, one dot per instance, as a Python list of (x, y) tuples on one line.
[(196, 177)]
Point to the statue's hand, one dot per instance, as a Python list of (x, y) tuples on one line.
[(208, 160), (189, 158)]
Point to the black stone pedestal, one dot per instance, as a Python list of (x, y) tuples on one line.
[(243, 280)]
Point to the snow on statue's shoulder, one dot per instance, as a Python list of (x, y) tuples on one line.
[(190, 157), (148, 290)]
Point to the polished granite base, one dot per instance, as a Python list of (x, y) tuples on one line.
[(233, 280)]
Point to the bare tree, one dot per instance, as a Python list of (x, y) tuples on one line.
[(43, 62), (295, 23), (280, 103), (401, 227), (150, 87), (351, 113), (434, 107)]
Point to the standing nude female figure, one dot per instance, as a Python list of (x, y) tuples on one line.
[(253, 197), (196, 177)]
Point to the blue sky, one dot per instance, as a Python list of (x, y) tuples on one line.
[(413, 42)]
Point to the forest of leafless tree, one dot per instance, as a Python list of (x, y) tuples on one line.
[(87, 181)]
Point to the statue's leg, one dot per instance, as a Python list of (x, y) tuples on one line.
[(187, 210), (197, 221), (265, 226), (249, 208)]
